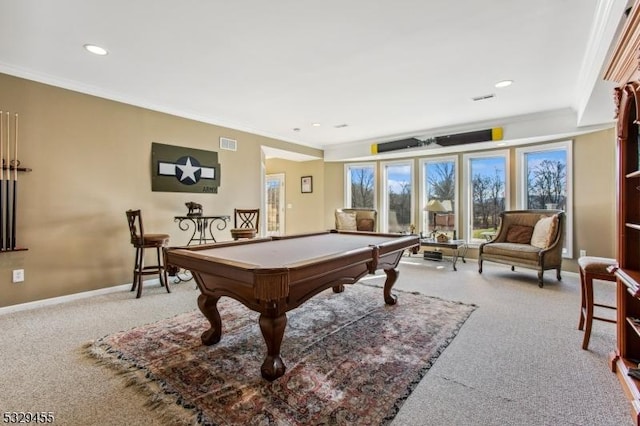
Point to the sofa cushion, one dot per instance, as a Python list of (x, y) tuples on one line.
[(365, 224), (520, 234), (544, 232), (346, 221), (514, 250)]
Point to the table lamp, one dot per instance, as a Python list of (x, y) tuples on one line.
[(435, 207)]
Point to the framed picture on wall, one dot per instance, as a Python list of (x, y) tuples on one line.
[(306, 184), (180, 169)]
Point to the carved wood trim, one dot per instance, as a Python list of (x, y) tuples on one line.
[(625, 64), (271, 285), (628, 94)]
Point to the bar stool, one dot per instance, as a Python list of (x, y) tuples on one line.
[(245, 223), (592, 268), (142, 241)]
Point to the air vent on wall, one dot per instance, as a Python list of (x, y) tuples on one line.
[(483, 97), (228, 144)]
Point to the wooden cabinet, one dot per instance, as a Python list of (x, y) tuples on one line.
[(624, 69), (627, 354)]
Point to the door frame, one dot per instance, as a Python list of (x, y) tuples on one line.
[(281, 200)]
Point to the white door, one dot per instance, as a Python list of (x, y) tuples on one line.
[(275, 204)]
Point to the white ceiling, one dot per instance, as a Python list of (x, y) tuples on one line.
[(387, 69)]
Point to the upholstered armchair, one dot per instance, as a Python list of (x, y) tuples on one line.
[(529, 239), (356, 219)]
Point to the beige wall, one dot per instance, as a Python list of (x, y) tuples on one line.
[(594, 158), (91, 161), (303, 212), (334, 196)]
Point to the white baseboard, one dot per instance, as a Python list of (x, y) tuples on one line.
[(70, 297)]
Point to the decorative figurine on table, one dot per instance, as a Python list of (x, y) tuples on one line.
[(442, 238), (195, 209)]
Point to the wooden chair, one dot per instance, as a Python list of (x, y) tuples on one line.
[(592, 268), (142, 241), (245, 223)]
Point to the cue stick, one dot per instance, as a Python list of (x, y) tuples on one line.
[(2, 207), (15, 185), (8, 188)]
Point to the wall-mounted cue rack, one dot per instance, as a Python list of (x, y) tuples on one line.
[(9, 182)]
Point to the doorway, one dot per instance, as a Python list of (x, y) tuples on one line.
[(274, 198)]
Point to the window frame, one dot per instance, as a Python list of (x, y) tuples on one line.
[(384, 203), (521, 183), (468, 193), (347, 181), (423, 215)]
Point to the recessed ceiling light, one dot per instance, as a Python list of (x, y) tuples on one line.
[(504, 83), (316, 124), (96, 50)]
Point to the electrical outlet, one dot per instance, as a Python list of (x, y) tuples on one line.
[(18, 275), (583, 253)]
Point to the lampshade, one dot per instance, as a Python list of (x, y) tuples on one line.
[(435, 206)]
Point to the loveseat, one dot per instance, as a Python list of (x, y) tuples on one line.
[(356, 219), (529, 239)]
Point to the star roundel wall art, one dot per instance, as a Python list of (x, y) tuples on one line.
[(180, 169)]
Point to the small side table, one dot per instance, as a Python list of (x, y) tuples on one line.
[(458, 248), (201, 227)]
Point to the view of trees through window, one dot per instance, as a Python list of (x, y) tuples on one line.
[(546, 174), (488, 186), (544, 182), (542, 179), (440, 184), (398, 193), (362, 186)]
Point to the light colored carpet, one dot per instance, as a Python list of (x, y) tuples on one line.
[(517, 360), (350, 358)]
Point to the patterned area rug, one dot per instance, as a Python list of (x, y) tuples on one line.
[(350, 359)]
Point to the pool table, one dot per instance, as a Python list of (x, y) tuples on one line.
[(276, 274)]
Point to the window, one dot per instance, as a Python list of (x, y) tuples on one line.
[(439, 181), (360, 189), (544, 182), (486, 189), (397, 200)]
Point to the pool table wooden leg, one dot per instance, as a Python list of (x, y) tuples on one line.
[(392, 276), (273, 330), (208, 306)]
